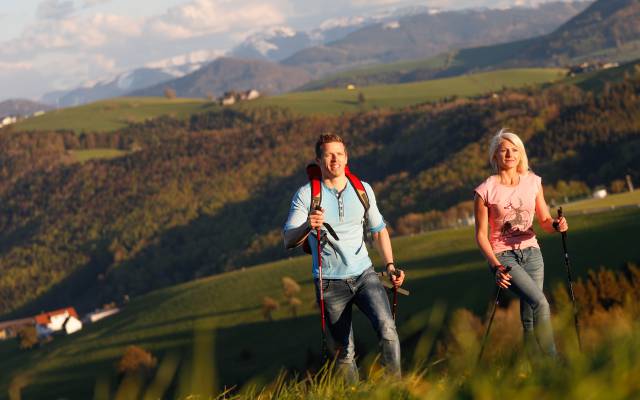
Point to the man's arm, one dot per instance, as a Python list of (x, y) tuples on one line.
[(300, 221), (383, 245), (293, 237)]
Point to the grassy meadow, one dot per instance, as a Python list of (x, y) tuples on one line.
[(612, 201), (212, 332), (340, 100), (96, 154), (112, 114)]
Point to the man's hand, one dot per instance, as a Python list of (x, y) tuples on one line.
[(395, 275), (316, 219)]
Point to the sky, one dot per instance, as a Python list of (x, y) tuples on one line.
[(48, 45)]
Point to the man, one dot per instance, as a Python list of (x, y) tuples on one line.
[(348, 274)]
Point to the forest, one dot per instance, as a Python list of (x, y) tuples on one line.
[(197, 197)]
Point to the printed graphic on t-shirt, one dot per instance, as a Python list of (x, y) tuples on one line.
[(516, 220)]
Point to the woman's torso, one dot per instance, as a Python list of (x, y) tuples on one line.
[(511, 211)]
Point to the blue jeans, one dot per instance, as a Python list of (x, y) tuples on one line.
[(366, 292), (527, 276)]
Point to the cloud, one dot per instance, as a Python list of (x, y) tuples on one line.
[(201, 17), (55, 9), (15, 66), (197, 56), (92, 3)]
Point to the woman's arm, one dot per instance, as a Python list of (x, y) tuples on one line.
[(481, 213), (544, 217)]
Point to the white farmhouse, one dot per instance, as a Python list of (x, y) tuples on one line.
[(53, 321)]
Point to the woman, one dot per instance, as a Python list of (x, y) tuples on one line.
[(504, 205)]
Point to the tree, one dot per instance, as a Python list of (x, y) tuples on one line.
[(361, 98), (136, 359), (294, 304), (290, 287), (28, 337), (169, 93), (269, 305)]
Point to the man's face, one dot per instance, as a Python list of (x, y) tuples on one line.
[(333, 160)]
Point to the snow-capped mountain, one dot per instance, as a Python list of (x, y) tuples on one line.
[(126, 82)]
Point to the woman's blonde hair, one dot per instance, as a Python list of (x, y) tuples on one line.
[(504, 134)]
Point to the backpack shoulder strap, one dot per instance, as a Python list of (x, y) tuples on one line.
[(314, 173), (315, 178), (359, 187)]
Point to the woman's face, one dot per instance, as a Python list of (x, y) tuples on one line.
[(507, 155)]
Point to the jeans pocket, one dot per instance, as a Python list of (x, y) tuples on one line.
[(325, 284)]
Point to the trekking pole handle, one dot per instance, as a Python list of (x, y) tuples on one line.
[(556, 223)]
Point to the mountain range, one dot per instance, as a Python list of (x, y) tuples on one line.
[(335, 45), (227, 74), (21, 108), (606, 31), (428, 34)]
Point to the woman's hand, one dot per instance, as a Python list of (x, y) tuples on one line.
[(503, 278), (561, 224)]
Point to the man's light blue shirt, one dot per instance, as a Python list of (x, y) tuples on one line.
[(347, 257)]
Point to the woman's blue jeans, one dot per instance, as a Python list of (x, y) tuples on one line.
[(366, 292), (527, 276)]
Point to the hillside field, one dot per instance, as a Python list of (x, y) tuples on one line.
[(216, 324), (336, 101), (113, 114)]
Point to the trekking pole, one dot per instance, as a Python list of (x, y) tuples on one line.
[(323, 343), (567, 263), (493, 313), (394, 310)]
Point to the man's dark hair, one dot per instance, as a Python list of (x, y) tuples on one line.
[(328, 138)]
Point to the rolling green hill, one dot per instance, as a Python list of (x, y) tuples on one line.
[(222, 316), (109, 115), (335, 101)]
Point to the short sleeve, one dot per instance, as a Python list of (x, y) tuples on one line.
[(483, 191), (538, 181), (376, 221), (299, 209)]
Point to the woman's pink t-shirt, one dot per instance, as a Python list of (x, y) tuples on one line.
[(511, 211)]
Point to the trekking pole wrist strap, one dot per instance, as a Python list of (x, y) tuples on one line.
[(496, 268)]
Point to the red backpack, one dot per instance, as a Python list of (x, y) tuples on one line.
[(315, 178)]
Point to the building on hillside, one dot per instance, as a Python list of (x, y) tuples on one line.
[(100, 314), (233, 97), (63, 319), (587, 66), (8, 120), (600, 193), (9, 329), (228, 99), (251, 94)]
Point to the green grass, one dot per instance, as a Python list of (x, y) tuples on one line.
[(109, 115), (436, 62), (113, 114), (611, 201), (224, 311), (336, 101), (96, 154)]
